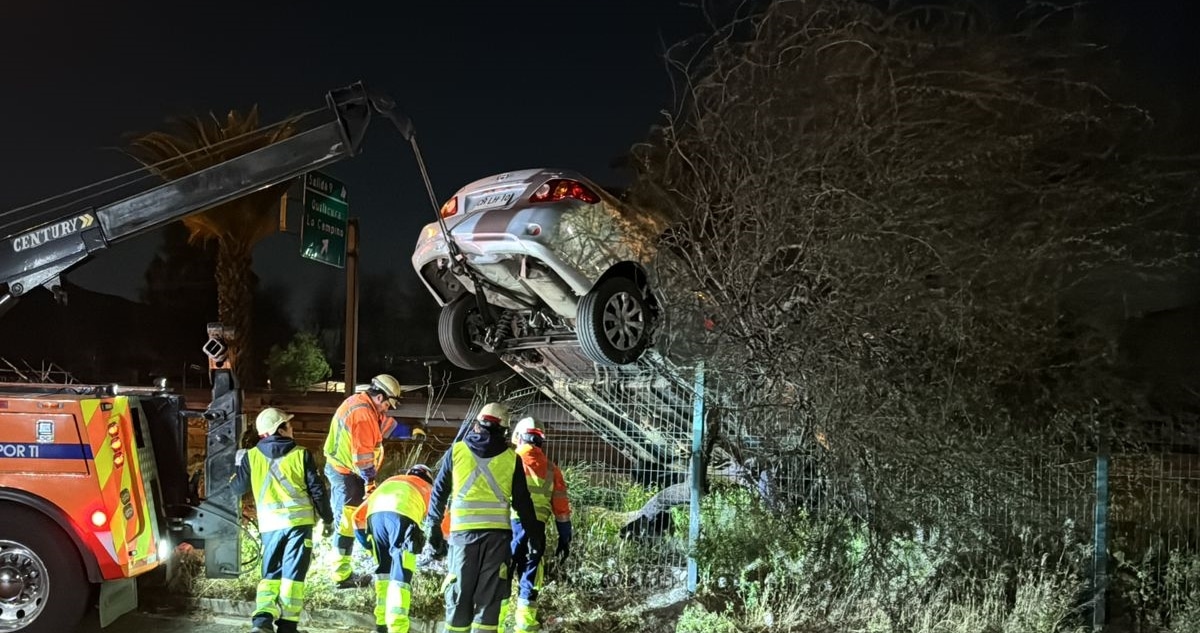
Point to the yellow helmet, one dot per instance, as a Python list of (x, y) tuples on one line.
[(269, 420), (523, 425), (388, 385), (494, 413)]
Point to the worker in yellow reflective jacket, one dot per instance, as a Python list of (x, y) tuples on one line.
[(483, 481), (390, 522), (288, 498), (353, 453)]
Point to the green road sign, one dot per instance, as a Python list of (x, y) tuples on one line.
[(323, 231)]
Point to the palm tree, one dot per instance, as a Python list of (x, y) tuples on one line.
[(236, 226)]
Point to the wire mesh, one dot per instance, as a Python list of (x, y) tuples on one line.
[(622, 436)]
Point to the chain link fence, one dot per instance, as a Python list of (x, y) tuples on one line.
[(623, 438)]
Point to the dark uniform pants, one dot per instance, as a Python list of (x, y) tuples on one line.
[(477, 581), (526, 568), (344, 490), (395, 541), (286, 555)]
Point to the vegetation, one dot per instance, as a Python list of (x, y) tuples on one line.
[(236, 226), (299, 365), (917, 230)]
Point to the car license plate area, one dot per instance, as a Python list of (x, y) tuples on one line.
[(492, 201)]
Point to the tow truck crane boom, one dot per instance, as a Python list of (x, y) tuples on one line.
[(39, 248), (129, 444)]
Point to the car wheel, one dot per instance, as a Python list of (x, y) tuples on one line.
[(43, 586), (461, 331), (613, 322)]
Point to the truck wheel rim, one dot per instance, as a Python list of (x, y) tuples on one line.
[(624, 322), (24, 586)]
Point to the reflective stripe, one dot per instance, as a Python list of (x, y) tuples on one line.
[(291, 599), (541, 491), (405, 495), (279, 503), (337, 444), (267, 598), (480, 502)]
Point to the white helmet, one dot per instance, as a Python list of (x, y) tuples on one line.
[(388, 385), (494, 413), (523, 425), (269, 420)]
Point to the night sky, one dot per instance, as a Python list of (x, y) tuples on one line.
[(491, 87)]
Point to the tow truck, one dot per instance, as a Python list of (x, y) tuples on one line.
[(94, 490)]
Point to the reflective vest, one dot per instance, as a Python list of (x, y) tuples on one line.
[(404, 494), (280, 495), (482, 490), (541, 489), (339, 444)]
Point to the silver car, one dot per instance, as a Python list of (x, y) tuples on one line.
[(539, 257)]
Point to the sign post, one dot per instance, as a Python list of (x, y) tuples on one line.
[(326, 213), (328, 235)]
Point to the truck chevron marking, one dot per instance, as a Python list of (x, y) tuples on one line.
[(51, 232)]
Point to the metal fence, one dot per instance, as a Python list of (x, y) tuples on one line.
[(629, 440), (624, 439)]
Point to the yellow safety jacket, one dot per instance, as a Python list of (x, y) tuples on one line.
[(482, 489), (406, 495), (280, 495)]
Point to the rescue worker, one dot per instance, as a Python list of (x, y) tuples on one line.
[(549, 492), (390, 522), (484, 484), (353, 454), (288, 497)]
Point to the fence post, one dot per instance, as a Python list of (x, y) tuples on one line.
[(1100, 539), (696, 478)]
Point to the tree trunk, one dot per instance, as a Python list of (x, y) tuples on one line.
[(235, 305)]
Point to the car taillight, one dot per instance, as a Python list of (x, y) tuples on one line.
[(561, 189), (450, 208)]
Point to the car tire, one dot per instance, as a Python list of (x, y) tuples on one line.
[(613, 322), (458, 326), (33, 547)]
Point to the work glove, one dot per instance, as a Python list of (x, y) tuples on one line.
[(239, 457), (369, 487), (433, 536), (564, 540), (326, 530), (537, 541)]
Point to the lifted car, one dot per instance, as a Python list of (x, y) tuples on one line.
[(539, 257)]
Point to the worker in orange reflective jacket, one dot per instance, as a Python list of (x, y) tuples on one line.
[(548, 490), (390, 523), (353, 454)]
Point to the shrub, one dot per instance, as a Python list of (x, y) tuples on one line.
[(299, 365)]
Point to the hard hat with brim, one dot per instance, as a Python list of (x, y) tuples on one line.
[(269, 420), (493, 414), (523, 425)]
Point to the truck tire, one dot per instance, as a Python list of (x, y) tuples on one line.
[(459, 327), (614, 322), (43, 585)]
